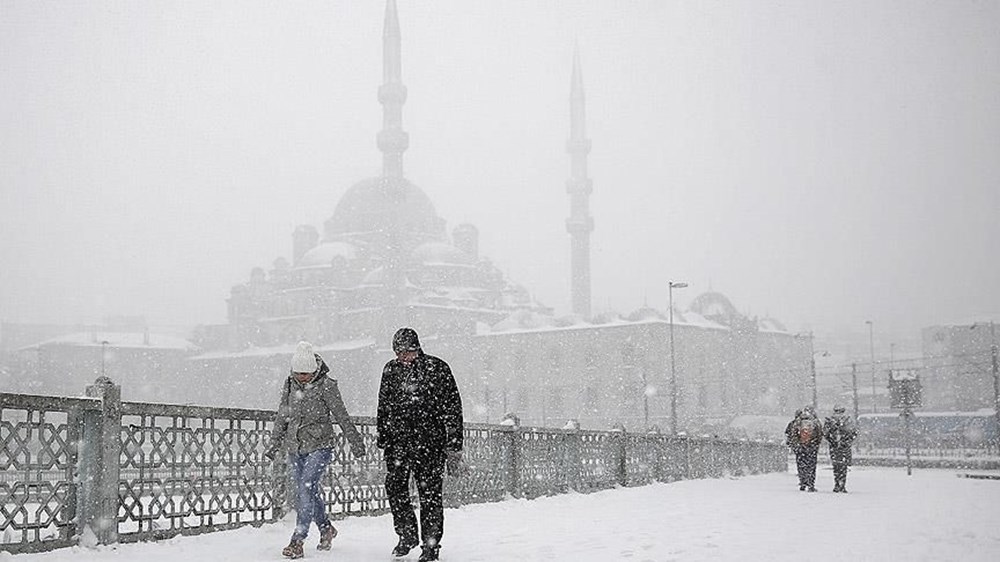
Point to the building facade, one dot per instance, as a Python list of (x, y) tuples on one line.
[(385, 259)]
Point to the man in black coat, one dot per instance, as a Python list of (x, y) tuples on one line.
[(420, 429), (840, 432)]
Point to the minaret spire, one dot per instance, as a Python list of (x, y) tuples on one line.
[(580, 224), (392, 140)]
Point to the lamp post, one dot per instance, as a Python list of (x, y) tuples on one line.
[(871, 347), (673, 369), (812, 371), (104, 347), (812, 366)]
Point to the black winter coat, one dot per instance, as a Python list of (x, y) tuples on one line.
[(419, 407), (840, 434)]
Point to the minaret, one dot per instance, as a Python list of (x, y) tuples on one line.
[(392, 140), (580, 224)]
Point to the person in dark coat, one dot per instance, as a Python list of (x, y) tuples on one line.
[(840, 432), (804, 435), (303, 426), (420, 429)]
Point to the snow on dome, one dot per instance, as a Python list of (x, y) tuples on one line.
[(439, 253), (323, 254), (384, 204)]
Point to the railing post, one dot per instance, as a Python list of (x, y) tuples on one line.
[(571, 465), (511, 431), (619, 454), (100, 453)]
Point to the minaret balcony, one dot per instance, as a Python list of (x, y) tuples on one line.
[(393, 92), (579, 186)]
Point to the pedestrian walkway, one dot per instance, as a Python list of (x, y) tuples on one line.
[(932, 515)]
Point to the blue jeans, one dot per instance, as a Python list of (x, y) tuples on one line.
[(307, 468)]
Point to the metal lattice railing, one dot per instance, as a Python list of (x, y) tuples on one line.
[(99, 470)]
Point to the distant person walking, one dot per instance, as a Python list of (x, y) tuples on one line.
[(804, 435), (310, 403), (840, 433), (420, 428)]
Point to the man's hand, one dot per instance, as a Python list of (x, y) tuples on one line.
[(454, 464)]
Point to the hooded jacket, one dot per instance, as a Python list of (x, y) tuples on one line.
[(840, 433), (419, 406), (304, 421)]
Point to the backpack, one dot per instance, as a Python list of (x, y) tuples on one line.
[(805, 432)]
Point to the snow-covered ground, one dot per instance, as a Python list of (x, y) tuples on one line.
[(887, 516)]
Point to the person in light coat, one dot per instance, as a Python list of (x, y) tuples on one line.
[(303, 427)]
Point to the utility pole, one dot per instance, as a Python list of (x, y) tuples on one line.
[(812, 370), (854, 388), (871, 347), (673, 370), (996, 378)]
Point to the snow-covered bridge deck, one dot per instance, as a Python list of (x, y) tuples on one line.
[(932, 515)]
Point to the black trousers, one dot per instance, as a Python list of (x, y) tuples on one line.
[(805, 462), (840, 475), (427, 470)]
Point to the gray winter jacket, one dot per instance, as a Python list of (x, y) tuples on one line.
[(304, 421)]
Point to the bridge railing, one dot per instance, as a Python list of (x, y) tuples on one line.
[(97, 470)]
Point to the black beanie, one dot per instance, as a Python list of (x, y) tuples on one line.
[(405, 339)]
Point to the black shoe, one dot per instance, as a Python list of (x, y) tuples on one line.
[(429, 553), (812, 488), (802, 488), (404, 547)]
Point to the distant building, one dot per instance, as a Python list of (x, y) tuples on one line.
[(385, 260), (151, 367), (957, 373)]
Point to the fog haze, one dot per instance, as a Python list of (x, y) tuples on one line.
[(821, 163)]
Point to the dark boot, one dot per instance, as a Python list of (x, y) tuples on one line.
[(293, 550), (404, 547), (429, 553), (326, 537)]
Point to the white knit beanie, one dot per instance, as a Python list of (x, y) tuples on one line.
[(304, 360)]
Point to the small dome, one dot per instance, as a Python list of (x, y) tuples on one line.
[(439, 253), (323, 254)]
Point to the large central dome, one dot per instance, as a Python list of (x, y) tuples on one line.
[(382, 205)]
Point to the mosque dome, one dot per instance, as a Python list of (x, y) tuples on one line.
[(384, 204), (326, 252)]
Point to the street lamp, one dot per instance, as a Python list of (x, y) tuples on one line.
[(871, 347), (673, 370)]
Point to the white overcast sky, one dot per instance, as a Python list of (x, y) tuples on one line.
[(820, 162)]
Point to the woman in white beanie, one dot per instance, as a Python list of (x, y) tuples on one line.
[(310, 403)]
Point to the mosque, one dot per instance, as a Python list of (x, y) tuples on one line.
[(385, 259)]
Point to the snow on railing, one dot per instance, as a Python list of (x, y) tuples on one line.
[(97, 470)]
